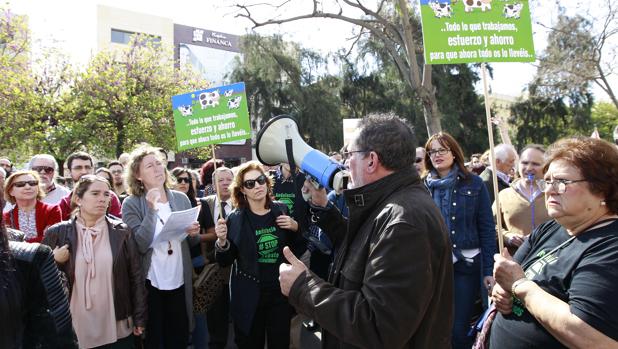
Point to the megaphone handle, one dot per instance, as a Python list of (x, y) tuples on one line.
[(289, 150)]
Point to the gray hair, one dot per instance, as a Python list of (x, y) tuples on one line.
[(221, 169), (43, 157), (391, 138), (502, 151)]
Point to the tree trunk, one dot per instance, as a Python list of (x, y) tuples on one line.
[(431, 112), (120, 138)]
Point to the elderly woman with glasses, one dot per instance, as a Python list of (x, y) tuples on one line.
[(106, 291), (30, 215), (252, 239), (559, 290), (465, 205)]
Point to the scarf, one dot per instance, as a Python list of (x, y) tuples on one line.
[(88, 236), (441, 189)]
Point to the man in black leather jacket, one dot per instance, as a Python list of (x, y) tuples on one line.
[(391, 285)]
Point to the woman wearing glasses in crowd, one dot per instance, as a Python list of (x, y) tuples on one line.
[(464, 202), (184, 183), (167, 264), (559, 290), (106, 292), (29, 214), (253, 239)]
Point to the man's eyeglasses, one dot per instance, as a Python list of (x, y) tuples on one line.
[(43, 169), (559, 185), (80, 168), (22, 184), (441, 151), (183, 180), (250, 183), (347, 154), (418, 160), (117, 172)]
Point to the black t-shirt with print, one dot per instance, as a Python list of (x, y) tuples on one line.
[(583, 273), (269, 240)]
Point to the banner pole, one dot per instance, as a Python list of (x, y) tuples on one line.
[(494, 177), (216, 182)]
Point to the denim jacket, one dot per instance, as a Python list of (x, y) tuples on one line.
[(470, 221)]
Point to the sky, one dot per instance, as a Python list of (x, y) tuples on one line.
[(67, 21)]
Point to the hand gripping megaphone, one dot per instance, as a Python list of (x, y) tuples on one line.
[(279, 141)]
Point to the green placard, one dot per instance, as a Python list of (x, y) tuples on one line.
[(212, 116), (469, 31)]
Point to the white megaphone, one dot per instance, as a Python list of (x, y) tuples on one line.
[(279, 141)]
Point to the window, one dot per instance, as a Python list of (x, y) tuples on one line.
[(123, 37)]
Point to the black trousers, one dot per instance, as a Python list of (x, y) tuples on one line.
[(218, 320), (271, 323), (168, 325)]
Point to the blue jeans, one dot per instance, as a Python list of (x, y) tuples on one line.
[(467, 287)]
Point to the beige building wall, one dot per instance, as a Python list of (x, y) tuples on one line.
[(109, 18)]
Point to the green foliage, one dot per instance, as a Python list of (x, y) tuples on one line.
[(605, 118), (283, 78)]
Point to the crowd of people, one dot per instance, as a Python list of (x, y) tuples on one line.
[(406, 257)]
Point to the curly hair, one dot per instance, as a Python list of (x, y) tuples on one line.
[(238, 198), (134, 185), (596, 159), (10, 183)]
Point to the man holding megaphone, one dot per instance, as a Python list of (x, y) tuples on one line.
[(391, 285)]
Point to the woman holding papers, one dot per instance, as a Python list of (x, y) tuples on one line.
[(106, 289), (166, 263), (253, 239)]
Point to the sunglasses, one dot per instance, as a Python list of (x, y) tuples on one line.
[(250, 183), (44, 169), (22, 184), (418, 160), (183, 180)]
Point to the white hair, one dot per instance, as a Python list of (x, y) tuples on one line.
[(502, 151), (44, 157)]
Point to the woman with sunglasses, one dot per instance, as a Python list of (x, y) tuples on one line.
[(29, 214), (252, 239), (184, 183), (464, 202), (106, 293), (167, 264), (559, 290)]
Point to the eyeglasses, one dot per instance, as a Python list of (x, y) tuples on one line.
[(183, 180), (559, 185), (347, 154), (115, 172), (441, 151), (6, 166), (250, 183), (43, 169), (418, 160), (22, 184), (80, 168)]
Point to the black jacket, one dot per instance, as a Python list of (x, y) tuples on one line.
[(244, 281), (129, 288), (39, 316), (392, 281)]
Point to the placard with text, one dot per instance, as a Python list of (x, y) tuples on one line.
[(212, 116), (469, 31)]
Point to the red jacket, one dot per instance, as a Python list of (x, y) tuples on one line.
[(44, 214), (114, 206)]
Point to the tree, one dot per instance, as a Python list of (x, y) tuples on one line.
[(580, 52), (605, 118), (284, 78), (123, 97), (391, 22)]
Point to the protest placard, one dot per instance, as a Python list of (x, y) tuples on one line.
[(469, 31), (211, 116)]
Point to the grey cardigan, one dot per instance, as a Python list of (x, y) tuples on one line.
[(142, 220)]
